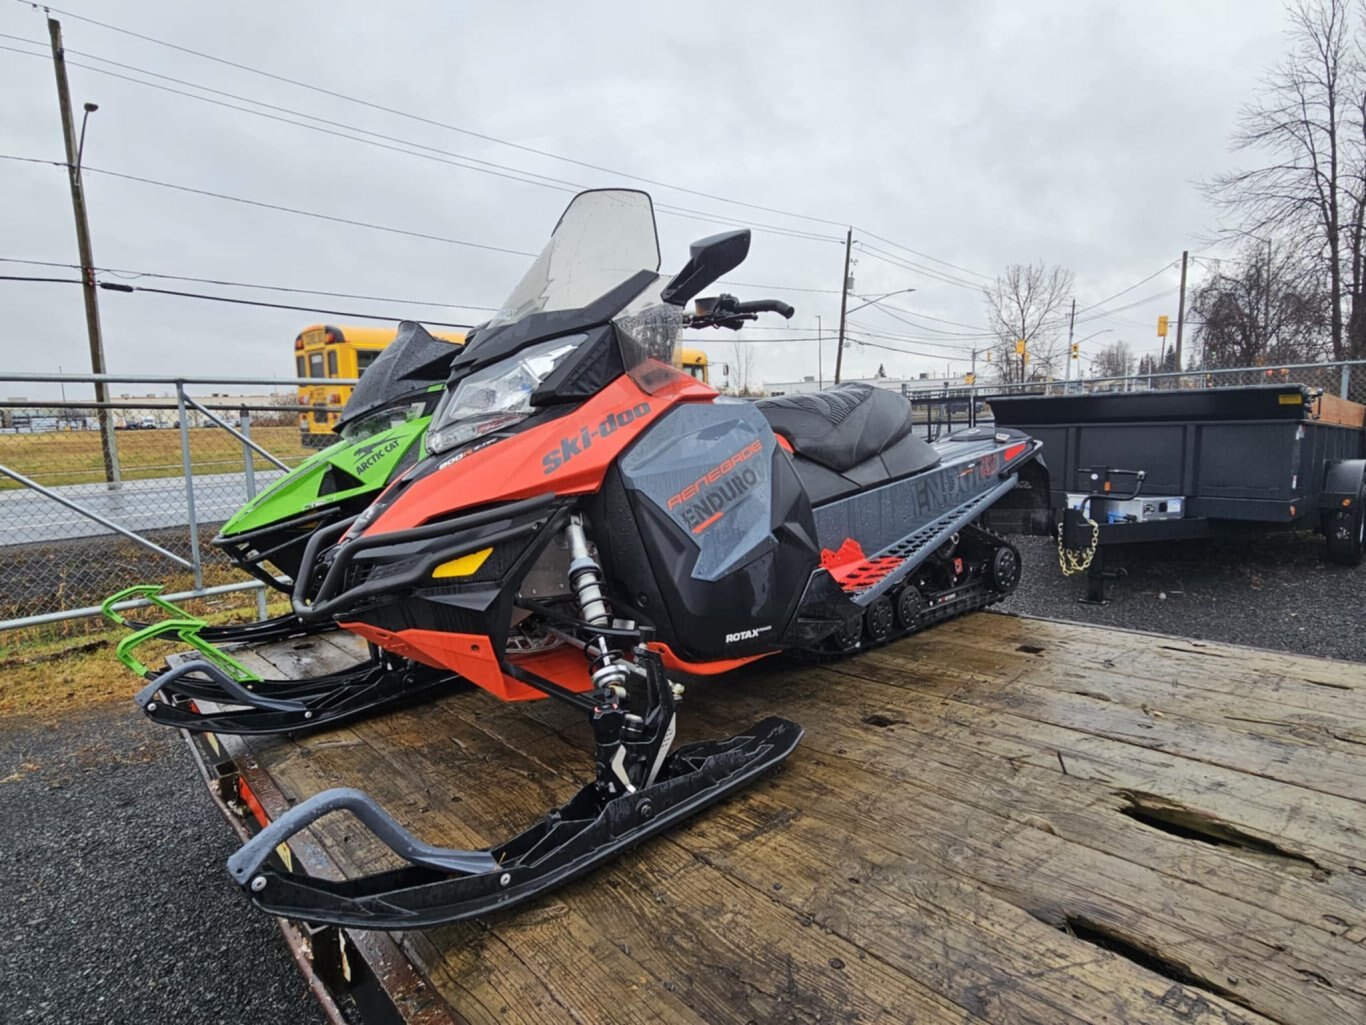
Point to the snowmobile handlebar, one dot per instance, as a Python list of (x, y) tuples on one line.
[(766, 306), (727, 311)]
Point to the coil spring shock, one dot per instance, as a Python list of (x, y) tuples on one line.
[(605, 665)]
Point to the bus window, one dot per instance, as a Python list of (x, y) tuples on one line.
[(332, 363), (300, 367), (364, 357), (696, 371), (315, 364)]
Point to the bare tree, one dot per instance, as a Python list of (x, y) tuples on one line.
[(742, 363), (1310, 126), (1025, 304), (1264, 308), (1115, 360)]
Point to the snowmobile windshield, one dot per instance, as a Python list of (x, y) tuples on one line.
[(603, 239), (412, 362), (382, 420)]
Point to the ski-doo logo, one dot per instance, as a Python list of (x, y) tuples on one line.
[(374, 452), (575, 444), (746, 635)]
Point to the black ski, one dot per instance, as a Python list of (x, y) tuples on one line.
[(441, 885)]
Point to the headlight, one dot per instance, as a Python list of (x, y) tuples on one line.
[(497, 396)]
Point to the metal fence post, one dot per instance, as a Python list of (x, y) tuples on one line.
[(188, 470), (249, 469), (1346, 390), (248, 464)]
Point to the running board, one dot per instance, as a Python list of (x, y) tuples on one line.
[(440, 885)]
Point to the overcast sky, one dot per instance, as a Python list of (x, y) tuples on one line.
[(976, 133)]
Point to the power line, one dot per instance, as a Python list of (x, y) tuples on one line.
[(440, 124), (460, 160), (904, 264), (1123, 291), (127, 273), (277, 207), (925, 256), (487, 137), (118, 287)]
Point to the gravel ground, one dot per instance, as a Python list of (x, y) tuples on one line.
[(115, 906), (1273, 591)]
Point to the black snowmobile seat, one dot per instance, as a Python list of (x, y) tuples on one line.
[(846, 425)]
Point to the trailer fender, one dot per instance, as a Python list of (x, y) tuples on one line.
[(1342, 480), (1025, 509)]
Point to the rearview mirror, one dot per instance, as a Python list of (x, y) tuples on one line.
[(708, 259)]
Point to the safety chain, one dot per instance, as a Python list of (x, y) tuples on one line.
[(1072, 563)]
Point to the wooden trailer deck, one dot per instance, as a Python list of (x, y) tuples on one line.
[(1002, 820)]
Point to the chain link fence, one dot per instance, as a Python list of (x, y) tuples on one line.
[(97, 496)]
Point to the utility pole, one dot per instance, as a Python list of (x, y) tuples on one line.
[(1181, 308), (844, 303), (1067, 365), (92, 309), (820, 359)]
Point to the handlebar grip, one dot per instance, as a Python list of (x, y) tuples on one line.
[(766, 306)]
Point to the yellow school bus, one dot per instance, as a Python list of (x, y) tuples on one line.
[(325, 353), (694, 361)]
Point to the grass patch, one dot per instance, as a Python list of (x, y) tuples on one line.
[(46, 674), (74, 457)]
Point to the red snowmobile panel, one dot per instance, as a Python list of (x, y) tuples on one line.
[(568, 456)]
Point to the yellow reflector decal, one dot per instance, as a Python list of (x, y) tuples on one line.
[(463, 566), (1291, 400)]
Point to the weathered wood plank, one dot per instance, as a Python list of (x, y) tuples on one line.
[(811, 846), (1316, 761), (955, 809), (1299, 680), (1315, 718)]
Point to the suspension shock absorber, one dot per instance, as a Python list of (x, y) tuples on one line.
[(606, 667)]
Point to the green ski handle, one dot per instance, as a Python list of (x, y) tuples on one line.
[(187, 630), (150, 593)]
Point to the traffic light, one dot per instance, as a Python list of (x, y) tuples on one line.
[(1162, 326), (989, 354), (969, 378), (1076, 350), (1019, 346)]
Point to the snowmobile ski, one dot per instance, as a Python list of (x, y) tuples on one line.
[(277, 628), (251, 705), (641, 789)]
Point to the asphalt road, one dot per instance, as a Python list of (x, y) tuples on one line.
[(137, 505), (115, 906)]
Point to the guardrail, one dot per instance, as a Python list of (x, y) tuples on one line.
[(97, 495)]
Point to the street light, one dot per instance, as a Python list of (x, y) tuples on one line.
[(90, 108)]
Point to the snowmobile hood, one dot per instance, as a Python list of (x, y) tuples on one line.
[(339, 472)]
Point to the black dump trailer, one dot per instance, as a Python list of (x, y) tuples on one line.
[(1129, 467)]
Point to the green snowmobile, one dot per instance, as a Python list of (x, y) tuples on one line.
[(381, 434)]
